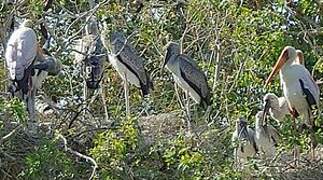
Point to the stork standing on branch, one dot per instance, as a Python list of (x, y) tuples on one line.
[(300, 90), (27, 65), (189, 77), (126, 61), (89, 56)]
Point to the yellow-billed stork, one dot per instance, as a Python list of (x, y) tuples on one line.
[(278, 106), (299, 88)]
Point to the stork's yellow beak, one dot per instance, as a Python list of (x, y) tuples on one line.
[(279, 64)]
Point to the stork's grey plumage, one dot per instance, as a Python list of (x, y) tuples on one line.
[(277, 106), (128, 63), (244, 142), (89, 54), (187, 75), (266, 136)]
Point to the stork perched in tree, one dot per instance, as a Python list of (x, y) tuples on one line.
[(243, 140), (278, 106), (188, 76), (89, 57), (300, 90), (27, 65), (266, 136), (127, 62), (89, 54)]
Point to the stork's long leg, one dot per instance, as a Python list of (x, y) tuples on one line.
[(106, 113), (312, 134), (180, 99), (31, 106), (296, 154), (188, 112), (126, 94)]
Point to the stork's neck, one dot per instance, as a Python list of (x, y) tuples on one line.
[(286, 71), (259, 122)]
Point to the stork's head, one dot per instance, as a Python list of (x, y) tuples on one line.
[(117, 35), (94, 71), (300, 57), (270, 100), (287, 56), (241, 127), (260, 118), (172, 48), (92, 26), (27, 23)]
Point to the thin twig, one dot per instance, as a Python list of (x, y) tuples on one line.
[(88, 158)]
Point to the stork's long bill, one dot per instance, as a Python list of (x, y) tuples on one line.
[(279, 64), (266, 109)]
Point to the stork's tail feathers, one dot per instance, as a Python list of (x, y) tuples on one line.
[(145, 87), (206, 101)]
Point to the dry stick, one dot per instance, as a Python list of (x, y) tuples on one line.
[(4, 138), (217, 62), (88, 158)]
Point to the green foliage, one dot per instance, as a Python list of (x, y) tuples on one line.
[(246, 36), (13, 108), (49, 162), (113, 148)]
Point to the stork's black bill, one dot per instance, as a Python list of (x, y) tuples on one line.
[(41, 66)]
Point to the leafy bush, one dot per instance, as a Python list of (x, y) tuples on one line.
[(49, 162)]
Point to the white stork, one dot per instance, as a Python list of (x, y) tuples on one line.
[(266, 136), (27, 65), (299, 88), (243, 139), (21, 52)]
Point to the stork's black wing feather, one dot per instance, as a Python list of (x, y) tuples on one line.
[(195, 78), (308, 95)]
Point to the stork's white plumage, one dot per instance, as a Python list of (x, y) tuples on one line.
[(244, 142), (21, 51), (266, 136), (278, 106), (299, 88), (27, 65)]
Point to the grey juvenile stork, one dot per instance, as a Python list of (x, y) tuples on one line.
[(266, 136), (300, 90), (126, 61), (27, 65), (89, 55), (278, 106), (188, 76), (243, 141)]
